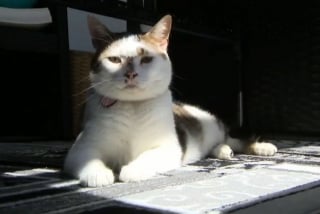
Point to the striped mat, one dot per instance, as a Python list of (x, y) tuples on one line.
[(31, 182)]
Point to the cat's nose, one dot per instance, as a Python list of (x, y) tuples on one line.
[(131, 74)]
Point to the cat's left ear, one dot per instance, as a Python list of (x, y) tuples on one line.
[(160, 32), (100, 34)]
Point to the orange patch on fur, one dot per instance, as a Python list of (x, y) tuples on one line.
[(152, 42)]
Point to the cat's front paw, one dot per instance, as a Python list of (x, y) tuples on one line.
[(262, 148), (132, 173), (96, 176)]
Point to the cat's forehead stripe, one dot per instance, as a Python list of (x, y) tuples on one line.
[(141, 52)]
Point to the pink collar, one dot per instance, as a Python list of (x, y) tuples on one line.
[(107, 102)]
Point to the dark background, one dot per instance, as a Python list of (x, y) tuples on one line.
[(256, 64)]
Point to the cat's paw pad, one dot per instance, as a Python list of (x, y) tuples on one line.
[(263, 149), (96, 177), (223, 151), (130, 173)]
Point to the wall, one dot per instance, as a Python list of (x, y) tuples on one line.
[(79, 37)]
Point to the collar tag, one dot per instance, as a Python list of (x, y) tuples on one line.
[(107, 102)]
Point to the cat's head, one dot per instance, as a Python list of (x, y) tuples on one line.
[(134, 67)]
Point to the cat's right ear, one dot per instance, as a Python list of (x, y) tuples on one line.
[(160, 32), (100, 35)]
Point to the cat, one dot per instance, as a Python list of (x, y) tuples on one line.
[(133, 128)]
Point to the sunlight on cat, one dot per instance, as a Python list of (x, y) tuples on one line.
[(134, 130)]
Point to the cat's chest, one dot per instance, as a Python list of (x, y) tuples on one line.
[(133, 121), (129, 118)]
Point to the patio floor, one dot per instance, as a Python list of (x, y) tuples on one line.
[(289, 182)]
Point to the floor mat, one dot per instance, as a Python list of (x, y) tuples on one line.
[(207, 186)]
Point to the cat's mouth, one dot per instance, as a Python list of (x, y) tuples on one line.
[(130, 86)]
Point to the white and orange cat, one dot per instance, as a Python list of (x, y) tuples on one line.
[(134, 129)]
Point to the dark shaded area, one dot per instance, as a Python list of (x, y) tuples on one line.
[(122, 208), (36, 101), (268, 51), (281, 79), (30, 95)]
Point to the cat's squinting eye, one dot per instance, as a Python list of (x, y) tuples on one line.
[(114, 59), (146, 59)]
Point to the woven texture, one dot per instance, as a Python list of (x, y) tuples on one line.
[(80, 67), (282, 72)]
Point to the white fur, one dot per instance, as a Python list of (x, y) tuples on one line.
[(222, 151), (263, 148), (212, 135), (137, 135)]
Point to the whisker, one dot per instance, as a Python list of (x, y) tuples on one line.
[(91, 86), (176, 90), (86, 78), (83, 91), (179, 77), (85, 100)]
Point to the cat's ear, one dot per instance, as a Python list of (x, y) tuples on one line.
[(160, 32), (100, 34)]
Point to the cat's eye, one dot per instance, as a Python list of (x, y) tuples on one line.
[(146, 59), (114, 59)]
